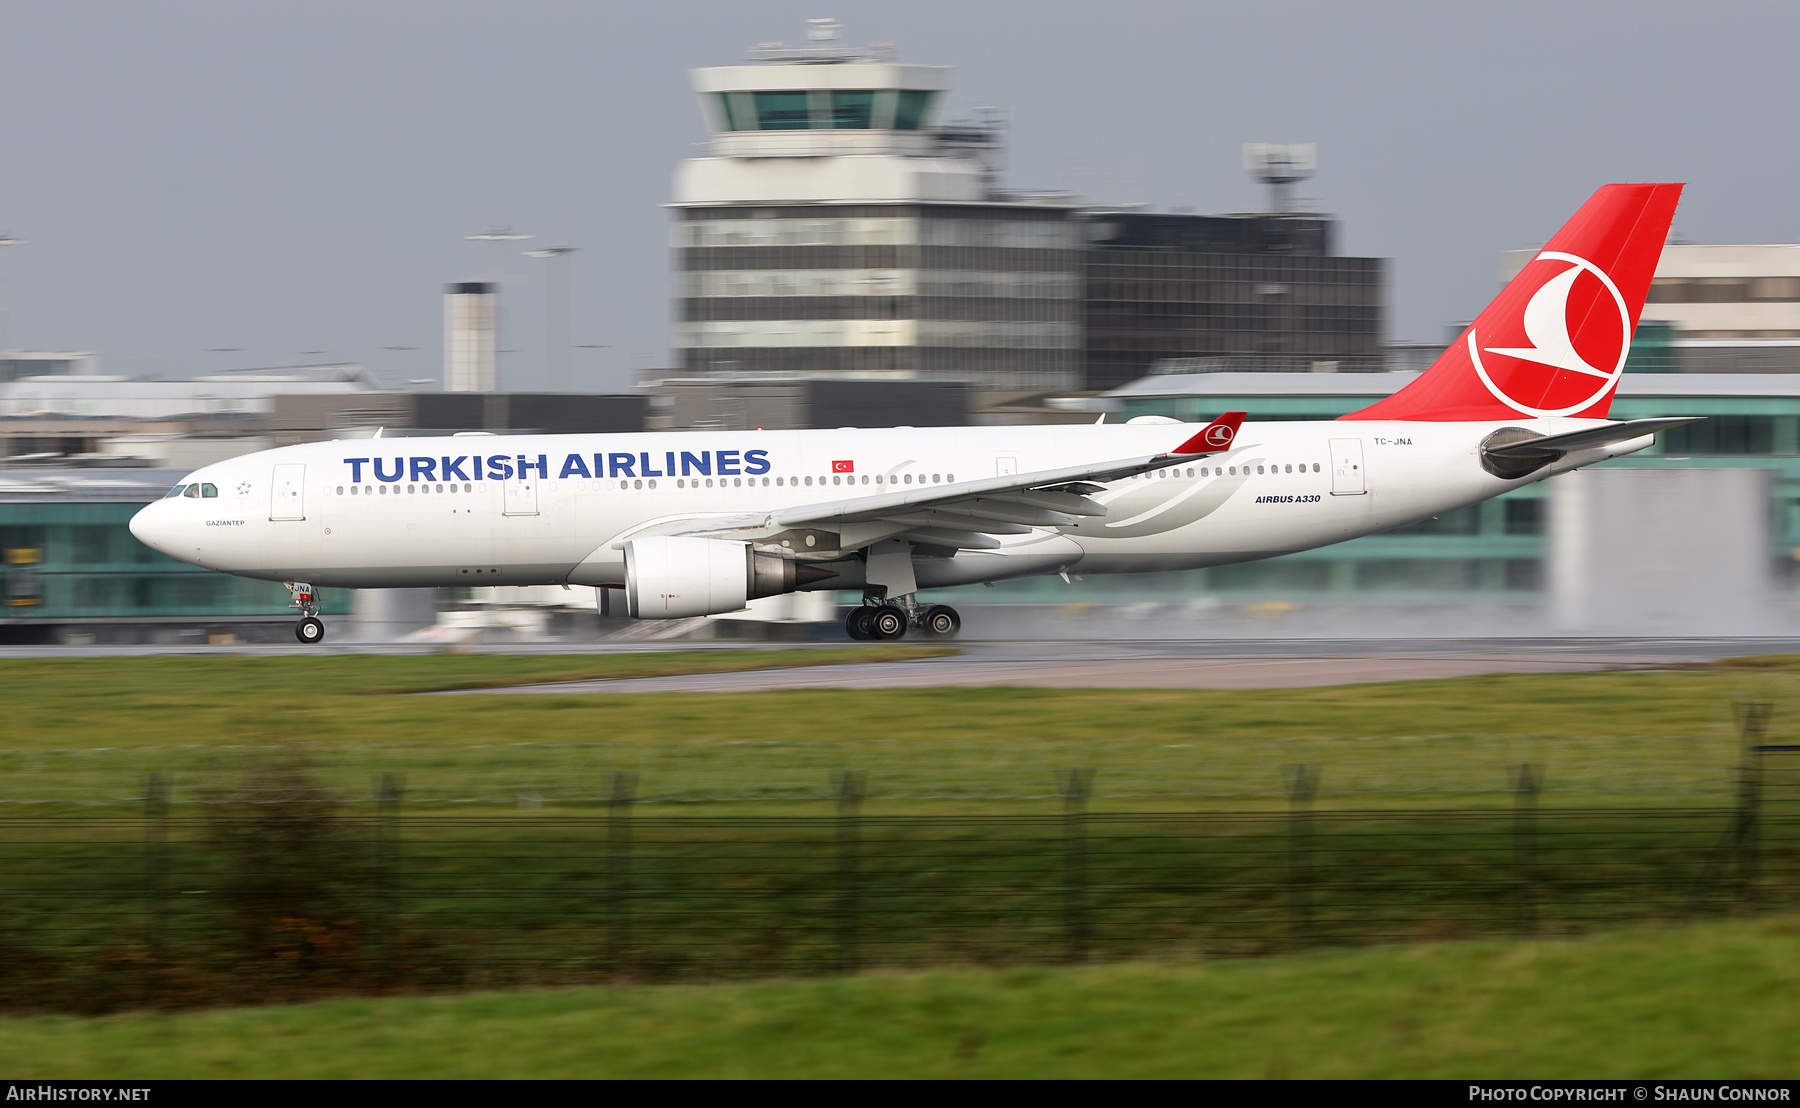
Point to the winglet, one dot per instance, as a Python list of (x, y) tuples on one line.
[(1214, 437)]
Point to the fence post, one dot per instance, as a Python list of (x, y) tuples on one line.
[(1753, 726), (387, 855), (618, 871), (1075, 785), (1527, 779), (849, 787), (156, 864), (1302, 782)]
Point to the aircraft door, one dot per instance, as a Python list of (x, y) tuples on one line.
[(1347, 476), (521, 496), (287, 492)]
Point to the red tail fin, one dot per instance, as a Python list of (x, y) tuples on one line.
[(1554, 342)]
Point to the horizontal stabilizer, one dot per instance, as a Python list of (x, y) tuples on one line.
[(1589, 437)]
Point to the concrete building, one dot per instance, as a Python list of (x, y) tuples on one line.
[(98, 420), (782, 404), (1725, 309), (471, 337), (15, 364), (836, 225), (296, 418), (1246, 292)]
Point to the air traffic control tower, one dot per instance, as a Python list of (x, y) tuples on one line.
[(836, 226)]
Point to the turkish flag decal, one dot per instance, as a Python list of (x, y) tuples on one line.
[(843, 467)]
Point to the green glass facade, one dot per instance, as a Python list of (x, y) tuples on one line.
[(76, 562)]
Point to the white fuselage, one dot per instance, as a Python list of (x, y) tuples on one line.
[(408, 512)]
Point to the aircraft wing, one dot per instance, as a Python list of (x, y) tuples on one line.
[(968, 513)]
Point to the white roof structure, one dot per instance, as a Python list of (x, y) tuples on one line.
[(101, 398), (1382, 384)]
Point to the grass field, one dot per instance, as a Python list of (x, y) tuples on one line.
[(87, 730), (1708, 1000)]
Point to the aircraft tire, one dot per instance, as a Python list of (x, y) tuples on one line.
[(888, 623), (856, 624), (310, 631), (941, 621)]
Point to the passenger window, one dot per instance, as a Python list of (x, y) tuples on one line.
[(176, 491), (209, 489), (193, 491)]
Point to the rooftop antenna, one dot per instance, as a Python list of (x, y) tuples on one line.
[(1278, 165), (823, 46), (556, 316), (5, 240)]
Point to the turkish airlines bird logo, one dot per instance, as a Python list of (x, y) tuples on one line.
[(1219, 436), (1568, 346), (843, 467)]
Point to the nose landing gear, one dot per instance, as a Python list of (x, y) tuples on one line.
[(891, 620), (310, 630)]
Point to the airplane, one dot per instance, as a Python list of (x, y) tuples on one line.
[(700, 523)]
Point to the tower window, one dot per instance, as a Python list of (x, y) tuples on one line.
[(910, 114), (853, 109), (782, 111)]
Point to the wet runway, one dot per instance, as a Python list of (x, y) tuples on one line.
[(1201, 664)]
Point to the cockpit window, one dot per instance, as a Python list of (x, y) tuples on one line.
[(176, 491), (193, 489), (209, 489)]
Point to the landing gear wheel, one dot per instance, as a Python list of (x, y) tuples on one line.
[(941, 621), (309, 631), (888, 622), (856, 624)]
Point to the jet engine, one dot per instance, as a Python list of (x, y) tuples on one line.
[(676, 576)]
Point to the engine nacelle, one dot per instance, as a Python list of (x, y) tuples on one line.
[(676, 576)]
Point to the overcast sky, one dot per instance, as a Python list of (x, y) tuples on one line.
[(294, 180)]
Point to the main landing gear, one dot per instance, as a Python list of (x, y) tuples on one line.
[(879, 621), (310, 630)]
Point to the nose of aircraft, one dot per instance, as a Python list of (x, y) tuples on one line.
[(152, 527)]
